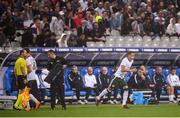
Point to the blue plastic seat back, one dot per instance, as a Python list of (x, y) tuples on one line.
[(151, 72), (165, 73), (83, 71), (178, 71), (110, 71), (8, 80), (96, 71), (66, 81)]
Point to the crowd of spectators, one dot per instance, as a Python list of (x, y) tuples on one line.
[(48, 23)]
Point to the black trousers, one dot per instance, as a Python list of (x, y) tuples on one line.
[(88, 92), (176, 88), (57, 90), (20, 82), (157, 91), (77, 88)]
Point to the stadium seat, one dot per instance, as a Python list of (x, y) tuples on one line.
[(83, 71), (66, 81), (82, 93), (115, 33), (99, 44), (128, 38), (110, 39), (138, 39), (147, 39), (9, 80), (155, 44), (91, 44), (110, 71), (14, 93), (178, 71), (151, 72), (96, 71), (146, 44), (165, 72), (165, 38), (69, 93), (110, 44), (119, 39), (137, 44), (174, 39), (128, 76), (173, 44)]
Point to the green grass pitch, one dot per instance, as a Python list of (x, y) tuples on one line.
[(163, 110)]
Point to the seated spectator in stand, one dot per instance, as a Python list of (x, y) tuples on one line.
[(89, 27), (178, 27), (76, 82), (148, 28), (36, 26), (100, 9), (139, 80), (144, 69), (90, 83), (173, 84), (98, 34), (171, 29), (103, 82), (27, 38), (114, 22), (137, 26), (159, 23), (158, 82)]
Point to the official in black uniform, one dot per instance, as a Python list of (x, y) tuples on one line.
[(57, 85)]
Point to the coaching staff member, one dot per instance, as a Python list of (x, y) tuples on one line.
[(57, 86)]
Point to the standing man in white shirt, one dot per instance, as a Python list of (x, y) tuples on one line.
[(118, 79), (32, 78), (173, 83), (90, 83)]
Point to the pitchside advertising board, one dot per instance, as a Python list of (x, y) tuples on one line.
[(106, 56)]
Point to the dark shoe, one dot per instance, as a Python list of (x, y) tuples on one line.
[(64, 108), (125, 106), (53, 108)]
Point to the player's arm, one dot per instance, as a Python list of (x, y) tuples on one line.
[(29, 68), (126, 69)]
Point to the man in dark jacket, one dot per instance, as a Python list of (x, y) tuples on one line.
[(75, 81), (158, 82), (103, 82), (57, 82), (139, 80)]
